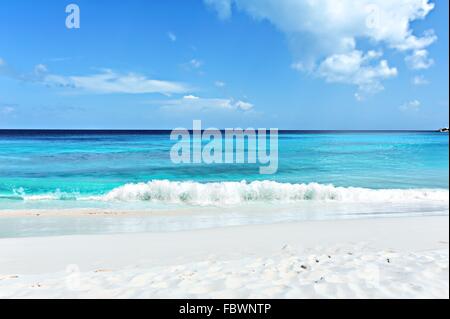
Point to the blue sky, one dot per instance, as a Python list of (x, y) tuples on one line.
[(288, 64)]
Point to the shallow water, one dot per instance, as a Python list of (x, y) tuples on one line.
[(76, 222)]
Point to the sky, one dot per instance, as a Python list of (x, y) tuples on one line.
[(287, 64)]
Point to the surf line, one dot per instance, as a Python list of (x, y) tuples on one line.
[(230, 146)]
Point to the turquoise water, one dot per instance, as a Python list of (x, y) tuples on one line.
[(42, 169), (326, 175)]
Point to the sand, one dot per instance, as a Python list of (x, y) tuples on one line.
[(364, 258)]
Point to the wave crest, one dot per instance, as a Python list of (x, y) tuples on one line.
[(232, 193)]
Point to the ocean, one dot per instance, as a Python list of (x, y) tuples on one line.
[(321, 175)]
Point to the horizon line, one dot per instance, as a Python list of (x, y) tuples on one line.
[(220, 129)]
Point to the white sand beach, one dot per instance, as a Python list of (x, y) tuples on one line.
[(365, 258)]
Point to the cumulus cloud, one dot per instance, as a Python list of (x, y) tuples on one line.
[(419, 60), (197, 104), (357, 68), (321, 31), (413, 105)]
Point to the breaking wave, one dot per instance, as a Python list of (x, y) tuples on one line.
[(233, 193)]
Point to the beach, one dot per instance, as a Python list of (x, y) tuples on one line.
[(362, 258), (105, 214)]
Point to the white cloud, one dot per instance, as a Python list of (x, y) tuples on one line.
[(103, 82), (40, 69), (220, 84), (419, 80), (7, 110), (321, 30), (419, 60), (223, 7), (193, 103), (108, 82), (191, 97), (172, 36), (336, 24), (413, 105), (194, 63), (358, 69), (245, 106), (2, 62)]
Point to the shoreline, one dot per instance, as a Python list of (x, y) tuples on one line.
[(417, 245), (74, 222), (181, 211)]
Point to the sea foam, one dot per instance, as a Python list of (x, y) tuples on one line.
[(234, 193)]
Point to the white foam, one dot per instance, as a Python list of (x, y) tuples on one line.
[(20, 194), (233, 193)]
